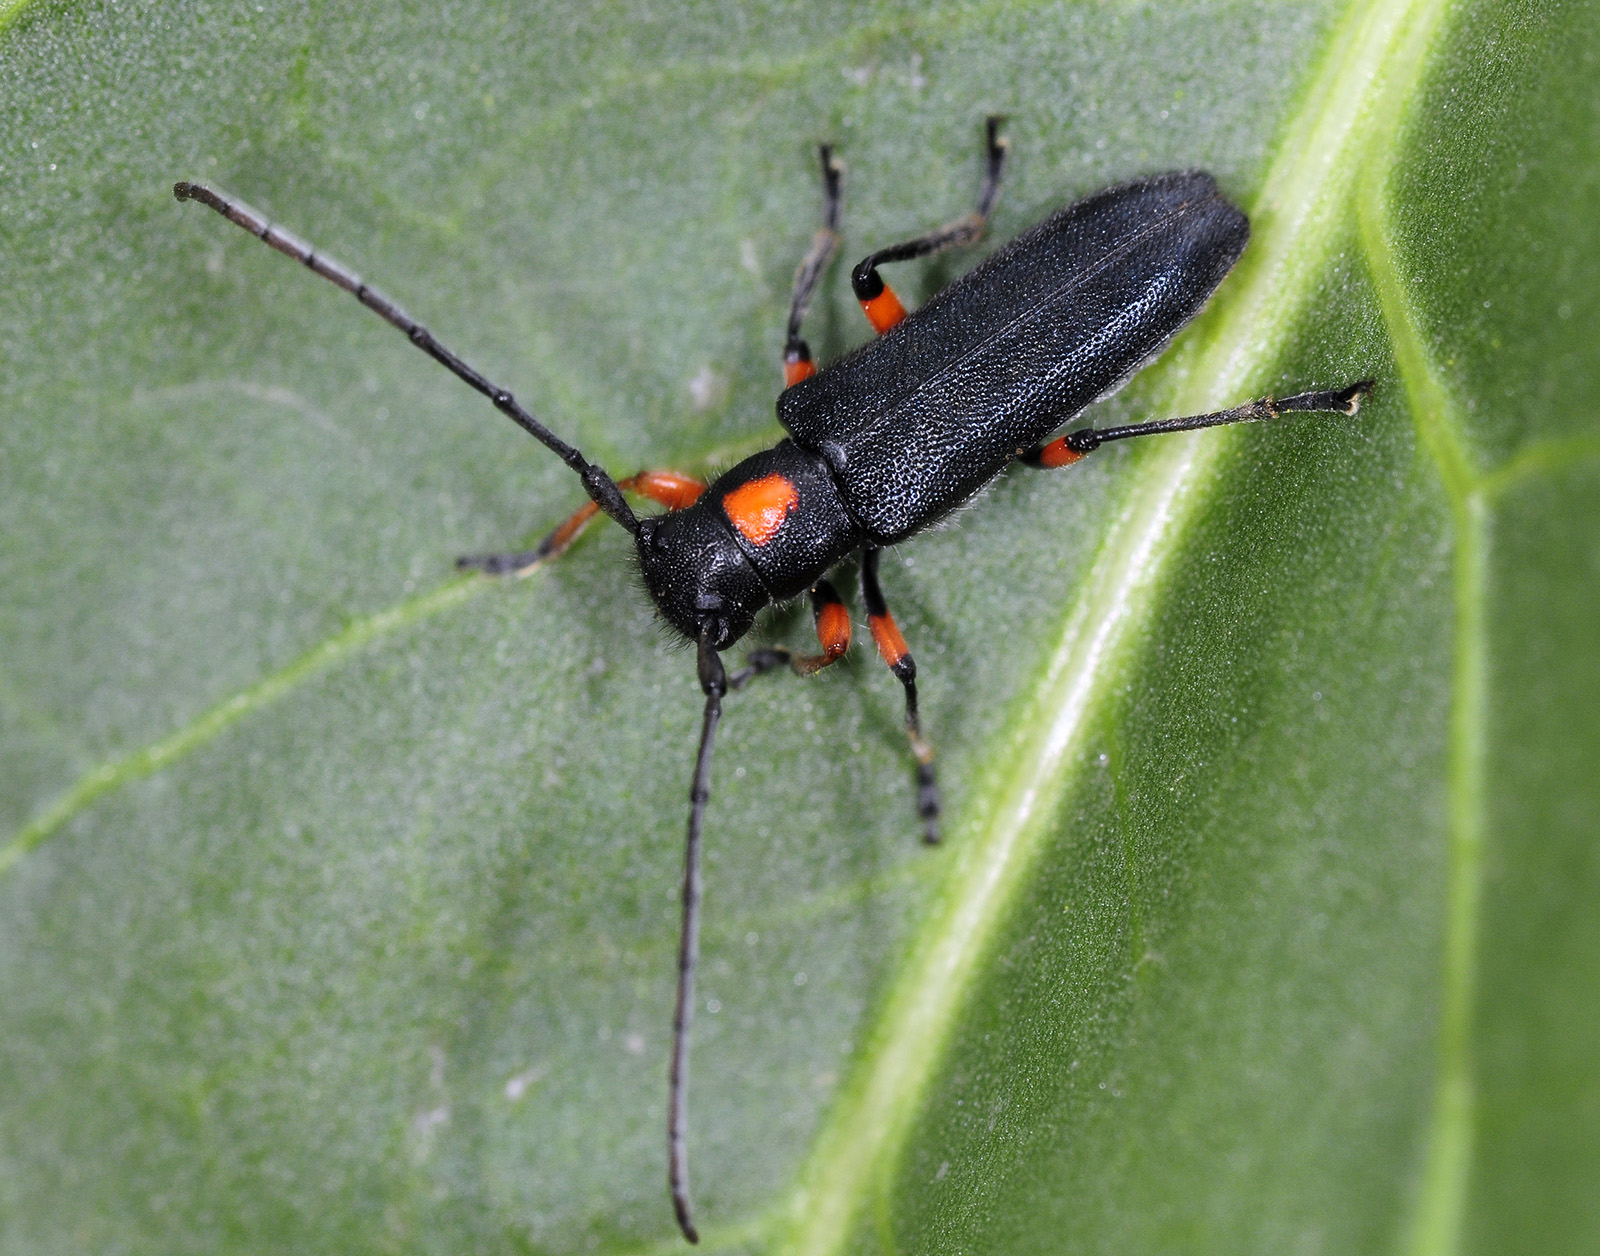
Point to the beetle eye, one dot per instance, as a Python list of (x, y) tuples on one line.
[(650, 535)]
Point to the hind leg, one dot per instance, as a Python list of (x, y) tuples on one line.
[(892, 649)]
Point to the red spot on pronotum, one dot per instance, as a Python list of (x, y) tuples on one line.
[(759, 507)]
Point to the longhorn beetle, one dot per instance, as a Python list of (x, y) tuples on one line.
[(883, 443)]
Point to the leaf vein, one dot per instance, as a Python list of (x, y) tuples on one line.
[(1438, 1207), (147, 760)]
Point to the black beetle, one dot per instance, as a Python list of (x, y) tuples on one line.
[(885, 441)]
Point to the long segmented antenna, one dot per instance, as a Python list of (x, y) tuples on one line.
[(714, 682), (600, 486)]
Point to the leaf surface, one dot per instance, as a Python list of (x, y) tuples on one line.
[(338, 906)]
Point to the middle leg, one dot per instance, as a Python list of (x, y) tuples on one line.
[(797, 360), (892, 649), (883, 308)]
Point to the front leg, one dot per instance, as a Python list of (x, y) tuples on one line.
[(832, 621), (672, 489)]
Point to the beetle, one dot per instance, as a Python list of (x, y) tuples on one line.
[(882, 443)]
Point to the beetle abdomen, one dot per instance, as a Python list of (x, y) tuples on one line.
[(916, 422)]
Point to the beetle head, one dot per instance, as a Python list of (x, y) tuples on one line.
[(697, 574)]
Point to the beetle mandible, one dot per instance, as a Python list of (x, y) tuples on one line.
[(883, 443)]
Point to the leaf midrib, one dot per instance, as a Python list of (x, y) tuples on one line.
[(1379, 48)]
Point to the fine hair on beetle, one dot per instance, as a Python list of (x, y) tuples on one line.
[(883, 444)]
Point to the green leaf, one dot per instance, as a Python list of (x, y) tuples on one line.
[(338, 894)]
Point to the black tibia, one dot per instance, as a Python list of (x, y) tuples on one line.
[(1345, 400), (832, 622), (596, 482), (714, 684), (892, 648), (526, 562), (865, 279), (823, 246)]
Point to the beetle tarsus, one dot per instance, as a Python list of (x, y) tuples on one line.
[(523, 563)]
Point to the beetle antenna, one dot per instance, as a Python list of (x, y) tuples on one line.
[(714, 683), (600, 486)]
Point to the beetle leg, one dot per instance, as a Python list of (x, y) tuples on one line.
[(832, 620), (1065, 450), (672, 489), (797, 363), (883, 308), (892, 648)]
